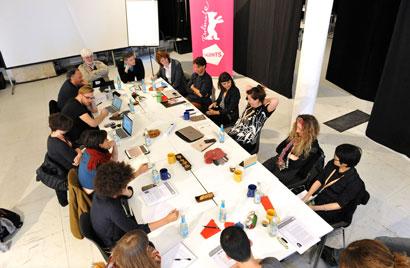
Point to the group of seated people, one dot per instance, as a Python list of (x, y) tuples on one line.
[(76, 141), (134, 250)]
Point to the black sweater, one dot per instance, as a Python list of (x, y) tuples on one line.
[(136, 72), (110, 221)]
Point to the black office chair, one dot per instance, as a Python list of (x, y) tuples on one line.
[(308, 173), (363, 199), (87, 231), (53, 107)]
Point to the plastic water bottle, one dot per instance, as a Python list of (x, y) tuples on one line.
[(153, 84), (273, 227), (183, 227), (258, 194), (221, 134), (119, 85), (156, 178), (131, 106), (222, 212), (147, 138), (144, 87)]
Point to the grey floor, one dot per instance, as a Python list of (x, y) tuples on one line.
[(45, 239)]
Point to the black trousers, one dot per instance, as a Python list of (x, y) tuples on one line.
[(62, 197), (220, 119), (286, 176)]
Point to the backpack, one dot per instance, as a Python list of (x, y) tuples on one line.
[(52, 174), (9, 223)]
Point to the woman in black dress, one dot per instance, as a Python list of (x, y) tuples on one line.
[(296, 151), (225, 111)]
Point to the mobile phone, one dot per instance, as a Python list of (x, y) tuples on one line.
[(109, 124), (210, 140), (144, 149)]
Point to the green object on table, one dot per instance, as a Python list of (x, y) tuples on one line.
[(159, 96)]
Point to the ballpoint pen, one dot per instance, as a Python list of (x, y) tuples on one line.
[(212, 227)]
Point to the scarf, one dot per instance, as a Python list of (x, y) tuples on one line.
[(97, 157)]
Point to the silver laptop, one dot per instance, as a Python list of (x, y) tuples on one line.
[(115, 105), (126, 129), (171, 94)]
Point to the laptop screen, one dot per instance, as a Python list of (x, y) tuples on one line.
[(116, 102), (127, 124)]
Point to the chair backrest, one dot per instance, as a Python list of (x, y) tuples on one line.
[(314, 168), (53, 107), (361, 199), (88, 232)]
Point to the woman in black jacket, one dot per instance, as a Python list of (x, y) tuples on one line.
[(225, 111), (60, 149), (296, 151), (171, 71)]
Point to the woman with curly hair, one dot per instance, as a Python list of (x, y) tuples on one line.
[(368, 253), (110, 215), (295, 151)]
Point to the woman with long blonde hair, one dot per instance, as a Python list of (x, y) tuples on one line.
[(296, 152)]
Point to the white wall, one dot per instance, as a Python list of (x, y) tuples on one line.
[(41, 30)]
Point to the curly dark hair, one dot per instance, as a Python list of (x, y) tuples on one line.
[(59, 121), (257, 93), (112, 177)]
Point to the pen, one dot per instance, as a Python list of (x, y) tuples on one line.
[(283, 241), (182, 259), (212, 227)]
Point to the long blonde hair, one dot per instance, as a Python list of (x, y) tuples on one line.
[(302, 142), (368, 253), (133, 251)]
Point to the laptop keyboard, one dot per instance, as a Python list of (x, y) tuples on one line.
[(121, 133), (110, 109)]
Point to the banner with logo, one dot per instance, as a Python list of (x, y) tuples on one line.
[(212, 33)]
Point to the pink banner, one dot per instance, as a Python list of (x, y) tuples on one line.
[(212, 33)]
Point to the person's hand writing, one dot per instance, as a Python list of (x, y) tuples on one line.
[(172, 216), (143, 168)]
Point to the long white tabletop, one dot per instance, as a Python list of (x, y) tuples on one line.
[(205, 178)]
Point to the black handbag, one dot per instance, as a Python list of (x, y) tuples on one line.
[(52, 174)]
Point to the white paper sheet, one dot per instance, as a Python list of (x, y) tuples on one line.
[(296, 234), (179, 256), (158, 194)]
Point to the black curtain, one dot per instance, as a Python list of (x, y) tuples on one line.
[(389, 122), (167, 18), (360, 44), (265, 41)]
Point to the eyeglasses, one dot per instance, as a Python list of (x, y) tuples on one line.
[(89, 98)]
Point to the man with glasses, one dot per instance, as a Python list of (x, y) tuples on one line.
[(91, 69), (80, 109)]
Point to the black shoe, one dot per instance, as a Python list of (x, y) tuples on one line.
[(328, 256)]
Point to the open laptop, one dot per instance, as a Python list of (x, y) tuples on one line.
[(126, 129), (115, 105), (171, 93)]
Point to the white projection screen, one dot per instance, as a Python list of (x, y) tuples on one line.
[(142, 19), (40, 30)]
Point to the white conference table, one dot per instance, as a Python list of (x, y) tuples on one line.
[(205, 178)]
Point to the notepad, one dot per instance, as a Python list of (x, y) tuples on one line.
[(160, 193), (179, 256), (296, 234), (220, 258)]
